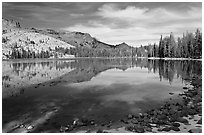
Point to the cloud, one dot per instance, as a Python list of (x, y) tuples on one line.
[(138, 25), (130, 12), (146, 16), (97, 30), (76, 15)]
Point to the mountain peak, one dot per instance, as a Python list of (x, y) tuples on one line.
[(122, 45)]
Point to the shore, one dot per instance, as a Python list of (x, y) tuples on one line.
[(184, 116), (166, 58)]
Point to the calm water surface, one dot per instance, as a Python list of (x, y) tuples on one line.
[(98, 89)]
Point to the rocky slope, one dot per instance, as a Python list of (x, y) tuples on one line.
[(15, 37), (9, 25)]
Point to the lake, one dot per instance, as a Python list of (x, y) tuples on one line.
[(53, 93)]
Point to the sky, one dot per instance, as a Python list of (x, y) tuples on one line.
[(136, 23)]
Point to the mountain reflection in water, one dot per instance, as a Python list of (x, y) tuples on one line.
[(99, 89)]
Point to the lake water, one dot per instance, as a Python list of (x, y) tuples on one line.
[(99, 89)]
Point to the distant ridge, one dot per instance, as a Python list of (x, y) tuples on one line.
[(20, 42), (79, 39)]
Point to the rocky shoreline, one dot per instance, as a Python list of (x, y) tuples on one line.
[(184, 115)]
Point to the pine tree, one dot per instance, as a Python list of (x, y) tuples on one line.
[(166, 42), (161, 48), (190, 48), (155, 50), (184, 47), (179, 52), (172, 46), (198, 44)]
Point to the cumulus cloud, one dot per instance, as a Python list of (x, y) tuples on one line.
[(131, 12), (146, 16), (94, 31), (139, 25)]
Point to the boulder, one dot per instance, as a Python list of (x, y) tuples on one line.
[(130, 116), (166, 129), (182, 120), (175, 124), (175, 128), (99, 131), (30, 127), (136, 128), (63, 129), (124, 121)]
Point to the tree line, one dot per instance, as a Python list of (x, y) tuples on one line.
[(20, 52), (103, 52), (187, 46)]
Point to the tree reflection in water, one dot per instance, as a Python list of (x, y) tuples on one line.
[(167, 69)]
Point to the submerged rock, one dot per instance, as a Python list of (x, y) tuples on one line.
[(148, 129), (88, 131), (134, 121), (166, 129), (185, 88), (130, 116), (21, 126), (75, 122), (175, 128), (200, 121), (195, 130), (63, 129), (182, 120), (99, 131), (124, 121), (92, 122), (136, 128), (153, 125), (30, 127), (175, 124), (192, 112)]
